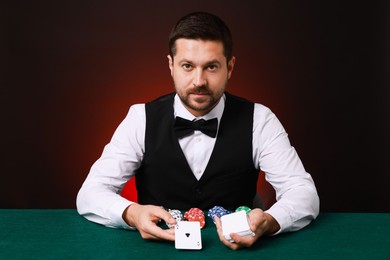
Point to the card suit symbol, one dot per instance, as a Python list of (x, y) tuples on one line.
[(187, 234)]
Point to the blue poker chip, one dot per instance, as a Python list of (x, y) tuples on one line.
[(217, 211)]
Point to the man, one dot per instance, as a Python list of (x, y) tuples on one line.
[(179, 168)]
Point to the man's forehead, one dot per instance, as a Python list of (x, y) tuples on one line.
[(206, 50)]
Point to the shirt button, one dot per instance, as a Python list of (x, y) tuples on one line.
[(198, 139)]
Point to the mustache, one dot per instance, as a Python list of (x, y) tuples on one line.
[(199, 89)]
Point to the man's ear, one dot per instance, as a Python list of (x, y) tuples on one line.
[(231, 66), (170, 62)]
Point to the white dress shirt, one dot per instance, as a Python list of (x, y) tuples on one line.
[(297, 203)]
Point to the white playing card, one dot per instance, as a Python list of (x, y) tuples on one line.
[(236, 222), (187, 235)]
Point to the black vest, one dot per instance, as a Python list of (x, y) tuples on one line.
[(230, 178)]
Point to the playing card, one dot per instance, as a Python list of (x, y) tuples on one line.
[(187, 235), (236, 222)]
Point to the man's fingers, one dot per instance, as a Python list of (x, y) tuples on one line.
[(157, 233), (226, 242), (218, 225), (243, 241), (165, 216), (165, 234), (146, 217), (239, 241)]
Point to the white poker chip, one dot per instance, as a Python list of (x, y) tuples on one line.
[(176, 214)]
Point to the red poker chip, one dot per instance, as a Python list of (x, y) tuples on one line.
[(194, 211), (199, 219), (195, 214)]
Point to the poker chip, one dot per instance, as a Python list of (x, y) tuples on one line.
[(244, 208), (217, 211), (176, 214), (195, 214), (193, 211)]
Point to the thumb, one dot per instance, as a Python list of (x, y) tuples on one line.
[(167, 217)]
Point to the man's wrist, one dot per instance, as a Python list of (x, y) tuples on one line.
[(128, 215), (272, 226)]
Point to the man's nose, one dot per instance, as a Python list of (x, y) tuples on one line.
[(199, 78)]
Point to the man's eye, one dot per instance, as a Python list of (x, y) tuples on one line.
[(212, 67), (187, 66)]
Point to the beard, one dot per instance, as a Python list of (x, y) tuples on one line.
[(203, 103)]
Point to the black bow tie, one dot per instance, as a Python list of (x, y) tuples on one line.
[(184, 127)]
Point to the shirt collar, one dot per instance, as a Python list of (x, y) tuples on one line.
[(216, 112)]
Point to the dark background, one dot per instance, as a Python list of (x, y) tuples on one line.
[(71, 70)]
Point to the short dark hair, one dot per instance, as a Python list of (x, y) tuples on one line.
[(202, 26)]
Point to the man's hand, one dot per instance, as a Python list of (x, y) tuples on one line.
[(145, 219), (260, 223)]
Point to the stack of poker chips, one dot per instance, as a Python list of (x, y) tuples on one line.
[(244, 208), (217, 211), (195, 214), (176, 214), (220, 211)]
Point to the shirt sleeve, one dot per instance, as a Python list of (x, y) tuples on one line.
[(297, 201), (99, 198)]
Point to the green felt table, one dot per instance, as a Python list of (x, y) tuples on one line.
[(63, 234)]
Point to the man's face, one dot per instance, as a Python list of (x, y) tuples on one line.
[(200, 74)]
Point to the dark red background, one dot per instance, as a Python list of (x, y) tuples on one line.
[(73, 68)]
